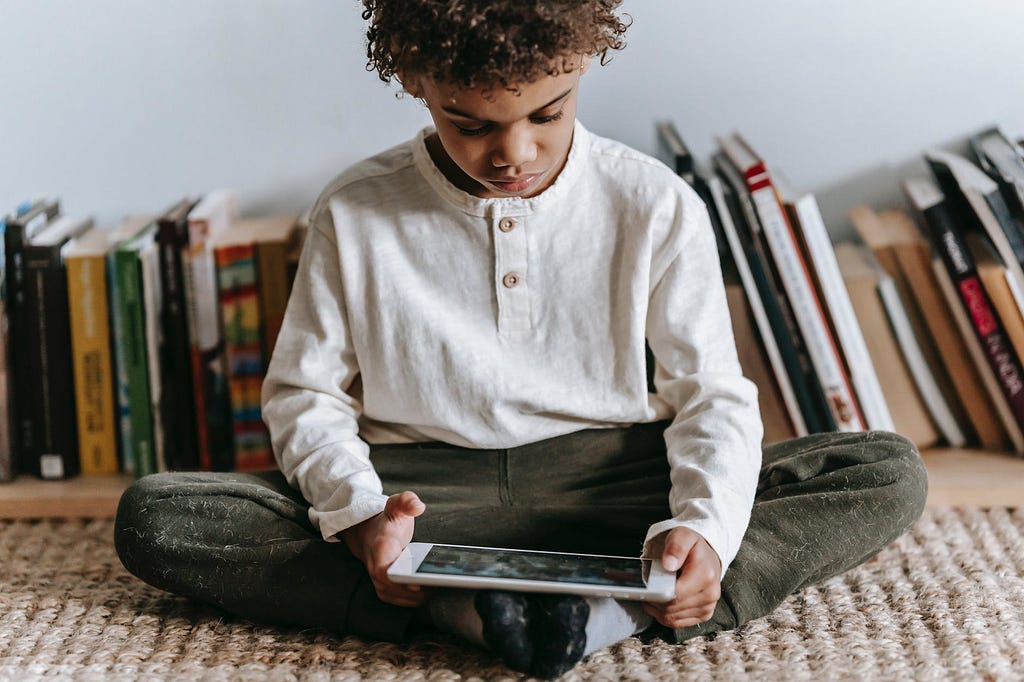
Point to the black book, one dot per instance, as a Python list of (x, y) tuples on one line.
[(673, 150), (808, 390), (54, 451), (19, 229), (977, 204), (176, 400)]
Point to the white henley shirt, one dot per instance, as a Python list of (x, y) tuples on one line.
[(423, 313)]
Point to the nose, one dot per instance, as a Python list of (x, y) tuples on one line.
[(515, 147)]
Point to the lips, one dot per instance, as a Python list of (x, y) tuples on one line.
[(515, 185)]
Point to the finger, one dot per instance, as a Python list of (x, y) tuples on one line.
[(402, 600), (406, 503), (687, 611), (699, 572), (400, 595), (672, 617), (681, 623), (678, 545), (688, 598)]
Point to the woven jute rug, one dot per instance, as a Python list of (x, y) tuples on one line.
[(945, 601)]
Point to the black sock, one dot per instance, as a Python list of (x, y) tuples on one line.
[(504, 616), (542, 634), (558, 625)]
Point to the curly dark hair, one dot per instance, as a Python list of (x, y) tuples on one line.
[(487, 43)]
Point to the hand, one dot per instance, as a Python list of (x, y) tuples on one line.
[(380, 539), (698, 584)]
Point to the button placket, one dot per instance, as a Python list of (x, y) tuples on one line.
[(511, 275)]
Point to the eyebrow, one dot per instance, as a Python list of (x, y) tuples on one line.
[(456, 112)]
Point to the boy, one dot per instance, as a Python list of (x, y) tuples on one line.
[(463, 360)]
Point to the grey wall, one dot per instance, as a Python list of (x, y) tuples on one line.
[(121, 106)]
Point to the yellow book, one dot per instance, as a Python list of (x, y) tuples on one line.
[(90, 352)]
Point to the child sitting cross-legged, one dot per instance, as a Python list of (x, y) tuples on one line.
[(463, 360)]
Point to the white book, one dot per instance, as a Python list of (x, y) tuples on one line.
[(988, 377), (837, 300), (211, 216), (757, 308)]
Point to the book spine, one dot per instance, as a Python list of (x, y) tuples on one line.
[(137, 424), (916, 264), (90, 348), (272, 278), (55, 453), (795, 281), (6, 416), (252, 440), (6, 413), (199, 390), (758, 310), (177, 405), (118, 352), (18, 349), (246, 367), (996, 203), (149, 261), (837, 300), (806, 386), (903, 331), (1006, 423), (213, 406), (17, 232), (986, 324)]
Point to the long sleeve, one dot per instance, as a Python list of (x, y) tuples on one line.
[(311, 418), (714, 440)]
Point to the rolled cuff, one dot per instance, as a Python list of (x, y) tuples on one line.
[(332, 522)]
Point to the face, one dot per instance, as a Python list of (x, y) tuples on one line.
[(500, 143)]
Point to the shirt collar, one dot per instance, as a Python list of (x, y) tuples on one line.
[(559, 189)]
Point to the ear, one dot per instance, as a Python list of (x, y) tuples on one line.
[(584, 64), (412, 85)]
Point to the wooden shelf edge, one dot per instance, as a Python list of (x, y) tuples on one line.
[(28, 497), (974, 478), (956, 478)]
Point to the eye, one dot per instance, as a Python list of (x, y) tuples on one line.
[(547, 119), (480, 130)]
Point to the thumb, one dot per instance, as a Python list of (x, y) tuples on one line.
[(677, 547), (407, 503)]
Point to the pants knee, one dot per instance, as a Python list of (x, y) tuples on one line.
[(908, 476), (136, 527)]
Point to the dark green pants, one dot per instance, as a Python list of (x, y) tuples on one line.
[(243, 542)]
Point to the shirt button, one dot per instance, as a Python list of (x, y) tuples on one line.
[(507, 224), (511, 280)]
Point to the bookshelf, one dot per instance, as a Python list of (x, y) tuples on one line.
[(956, 477)]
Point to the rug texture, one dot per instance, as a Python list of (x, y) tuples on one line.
[(945, 601)]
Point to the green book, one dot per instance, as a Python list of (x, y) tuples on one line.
[(135, 422)]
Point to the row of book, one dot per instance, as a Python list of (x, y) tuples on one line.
[(139, 347), (915, 327)]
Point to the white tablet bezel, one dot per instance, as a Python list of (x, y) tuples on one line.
[(661, 584)]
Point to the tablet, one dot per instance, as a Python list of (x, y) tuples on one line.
[(464, 566)]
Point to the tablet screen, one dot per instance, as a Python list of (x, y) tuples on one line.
[(526, 565)]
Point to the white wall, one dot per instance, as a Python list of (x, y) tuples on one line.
[(122, 106)]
